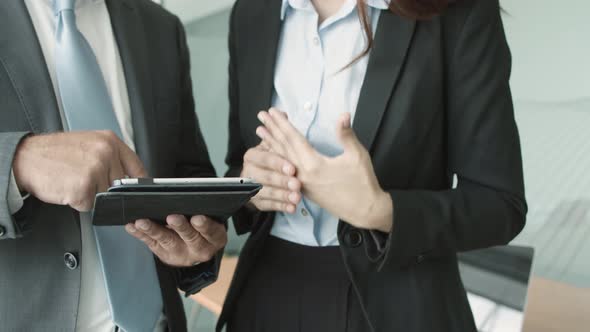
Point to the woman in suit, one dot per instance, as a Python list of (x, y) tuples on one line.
[(376, 107)]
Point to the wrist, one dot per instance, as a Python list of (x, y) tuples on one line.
[(381, 213)]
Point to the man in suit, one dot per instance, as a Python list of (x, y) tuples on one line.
[(92, 91)]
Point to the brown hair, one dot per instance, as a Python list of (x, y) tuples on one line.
[(414, 9)]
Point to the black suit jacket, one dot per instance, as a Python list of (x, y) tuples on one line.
[(435, 102), (37, 291)]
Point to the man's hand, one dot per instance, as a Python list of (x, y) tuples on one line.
[(70, 168), (345, 185), (281, 190), (181, 243)]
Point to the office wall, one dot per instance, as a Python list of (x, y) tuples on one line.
[(207, 39), (550, 49), (551, 87), (191, 10)]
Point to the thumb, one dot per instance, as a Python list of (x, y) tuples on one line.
[(345, 133)]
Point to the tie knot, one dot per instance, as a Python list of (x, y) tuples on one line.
[(61, 5)]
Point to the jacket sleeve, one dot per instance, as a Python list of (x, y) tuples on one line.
[(15, 198), (11, 225), (192, 160), (487, 207), (245, 218)]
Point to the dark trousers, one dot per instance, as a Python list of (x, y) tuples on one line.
[(295, 288)]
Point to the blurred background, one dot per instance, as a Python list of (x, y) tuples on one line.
[(551, 87)]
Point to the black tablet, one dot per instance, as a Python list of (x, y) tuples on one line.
[(131, 199), (183, 185)]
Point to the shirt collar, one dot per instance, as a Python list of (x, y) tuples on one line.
[(79, 3), (303, 4)]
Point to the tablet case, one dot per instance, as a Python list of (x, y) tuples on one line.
[(120, 208)]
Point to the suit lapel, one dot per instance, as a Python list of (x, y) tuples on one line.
[(23, 59), (391, 43), (128, 30)]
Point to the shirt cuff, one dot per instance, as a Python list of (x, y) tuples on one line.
[(192, 279), (15, 199)]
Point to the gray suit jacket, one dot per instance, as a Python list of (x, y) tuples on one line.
[(38, 292)]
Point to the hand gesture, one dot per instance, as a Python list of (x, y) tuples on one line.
[(281, 190), (345, 185)]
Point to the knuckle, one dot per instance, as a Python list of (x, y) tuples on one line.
[(262, 205), (275, 161), (151, 243), (270, 192), (280, 138), (168, 241), (284, 181), (280, 180), (110, 135), (254, 172), (250, 155), (192, 238), (265, 178), (104, 147), (183, 228), (285, 206), (272, 178), (206, 228), (97, 167)]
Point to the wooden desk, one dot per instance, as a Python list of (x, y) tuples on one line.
[(552, 306), (557, 307)]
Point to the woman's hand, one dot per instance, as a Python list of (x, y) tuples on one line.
[(345, 185), (281, 190)]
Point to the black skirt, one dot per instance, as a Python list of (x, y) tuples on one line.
[(295, 288)]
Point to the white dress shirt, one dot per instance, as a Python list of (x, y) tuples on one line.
[(93, 21), (313, 88)]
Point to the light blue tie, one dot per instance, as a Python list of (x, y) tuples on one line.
[(129, 269)]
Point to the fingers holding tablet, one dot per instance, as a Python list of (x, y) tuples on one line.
[(182, 243)]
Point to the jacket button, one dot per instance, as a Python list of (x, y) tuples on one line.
[(2, 231), (70, 260), (353, 238), (419, 259)]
